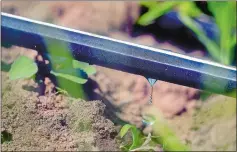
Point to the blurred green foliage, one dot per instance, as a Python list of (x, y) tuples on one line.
[(162, 135), (140, 142), (136, 137), (224, 14), (71, 74), (159, 8), (23, 68)]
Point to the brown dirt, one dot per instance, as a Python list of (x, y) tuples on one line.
[(212, 127), (53, 122), (81, 15)]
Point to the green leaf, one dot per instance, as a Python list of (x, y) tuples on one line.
[(148, 4), (124, 130), (156, 11), (136, 135), (189, 8), (58, 59), (69, 77), (74, 72), (136, 138), (84, 66), (124, 147), (211, 46), (223, 12), (23, 67)]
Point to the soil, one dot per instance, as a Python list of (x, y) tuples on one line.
[(53, 122), (57, 122)]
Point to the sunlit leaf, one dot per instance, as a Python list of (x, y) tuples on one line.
[(136, 135), (135, 138), (23, 67), (74, 72), (189, 8), (124, 130), (70, 77), (223, 12), (89, 69), (61, 58), (155, 13), (148, 4), (124, 147), (211, 46)]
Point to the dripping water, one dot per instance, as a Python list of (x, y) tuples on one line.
[(151, 82)]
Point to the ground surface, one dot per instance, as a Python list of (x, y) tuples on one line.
[(61, 123), (52, 122)]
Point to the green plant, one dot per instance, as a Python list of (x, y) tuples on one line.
[(157, 9), (139, 140), (227, 27), (222, 50), (24, 68), (161, 134)]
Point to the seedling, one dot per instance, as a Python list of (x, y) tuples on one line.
[(157, 9), (139, 140), (222, 49), (161, 134), (25, 68)]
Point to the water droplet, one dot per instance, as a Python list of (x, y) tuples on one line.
[(152, 81)]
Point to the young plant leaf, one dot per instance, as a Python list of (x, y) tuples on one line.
[(84, 66), (135, 138), (23, 67), (148, 4), (70, 77), (227, 26), (74, 72), (124, 130), (135, 135), (57, 59), (189, 8), (124, 148), (155, 13), (211, 46)]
